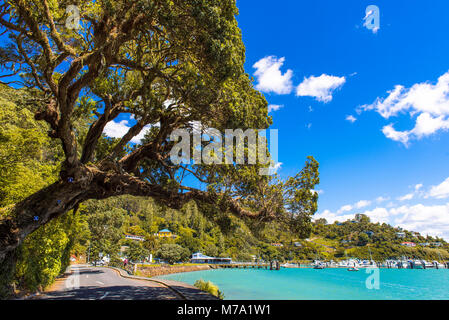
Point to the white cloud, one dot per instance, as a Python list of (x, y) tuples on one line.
[(362, 204), (274, 107), (345, 208), (428, 102), (440, 191), (320, 87), (382, 199), (392, 134), (351, 118), (274, 169), (358, 205), (408, 196), (119, 129), (270, 77)]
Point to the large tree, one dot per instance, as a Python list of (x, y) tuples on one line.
[(168, 64)]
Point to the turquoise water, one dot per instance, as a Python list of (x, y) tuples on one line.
[(326, 284)]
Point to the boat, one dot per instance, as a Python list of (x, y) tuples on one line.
[(290, 265), (438, 265), (354, 266), (403, 264), (427, 265), (319, 266), (417, 264)]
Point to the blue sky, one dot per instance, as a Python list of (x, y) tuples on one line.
[(397, 149)]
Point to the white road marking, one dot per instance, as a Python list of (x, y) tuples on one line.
[(99, 282)]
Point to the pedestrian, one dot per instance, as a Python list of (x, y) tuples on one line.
[(125, 262)]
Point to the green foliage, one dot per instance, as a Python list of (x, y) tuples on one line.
[(105, 232), (210, 287), (173, 253), (136, 252), (29, 160), (46, 253)]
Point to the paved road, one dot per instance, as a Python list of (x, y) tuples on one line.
[(89, 283)]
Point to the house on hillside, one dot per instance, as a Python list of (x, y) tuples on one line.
[(400, 234), (134, 237), (408, 244), (277, 244), (165, 233)]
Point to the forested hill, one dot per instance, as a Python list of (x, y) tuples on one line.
[(360, 238), (227, 236)]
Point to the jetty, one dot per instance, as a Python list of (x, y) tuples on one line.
[(274, 265)]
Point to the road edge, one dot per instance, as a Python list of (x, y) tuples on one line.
[(199, 295)]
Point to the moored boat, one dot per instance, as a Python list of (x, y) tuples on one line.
[(417, 264)]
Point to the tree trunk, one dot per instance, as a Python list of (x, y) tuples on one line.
[(29, 215)]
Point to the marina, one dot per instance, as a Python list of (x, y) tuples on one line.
[(328, 283)]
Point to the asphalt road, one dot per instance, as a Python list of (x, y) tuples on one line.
[(89, 283)]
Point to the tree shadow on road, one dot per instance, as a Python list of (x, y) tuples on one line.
[(113, 293)]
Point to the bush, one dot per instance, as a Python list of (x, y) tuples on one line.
[(173, 253), (209, 287)]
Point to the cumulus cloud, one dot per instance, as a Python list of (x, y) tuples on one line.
[(270, 77), (351, 118), (440, 191), (345, 208), (321, 88), (274, 107), (408, 196), (358, 205), (362, 204), (382, 199), (428, 102), (119, 129)]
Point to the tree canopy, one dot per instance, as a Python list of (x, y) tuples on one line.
[(168, 64)]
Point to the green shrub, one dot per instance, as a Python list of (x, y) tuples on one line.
[(208, 286)]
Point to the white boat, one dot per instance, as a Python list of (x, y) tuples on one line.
[(438, 265), (290, 265), (353, 269), (417, 264), (427, 265), (353, 265), (403, 264)]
